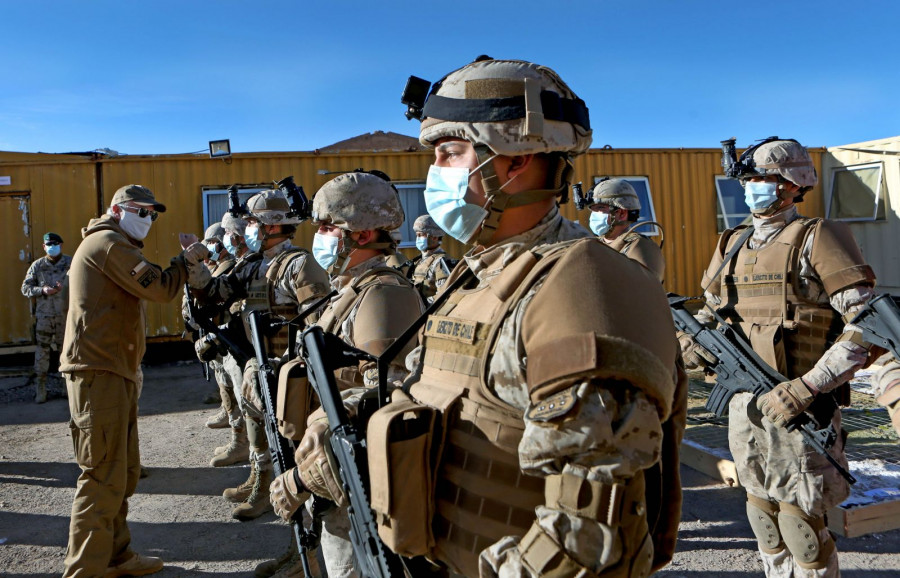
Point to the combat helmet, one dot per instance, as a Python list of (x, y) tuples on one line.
[(425, 224), (271, 207), (785, 158), (616, 193), (508, 107), (232, 224), (214, 232), (358, 201)]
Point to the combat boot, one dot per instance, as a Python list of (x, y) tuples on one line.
[(242, 492), (257, 503), (40, 390), (237, 451), (270, 567), (219, 420)]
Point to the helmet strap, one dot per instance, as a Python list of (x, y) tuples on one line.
[(498, 200)]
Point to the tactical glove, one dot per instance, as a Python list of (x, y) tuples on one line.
[(206, 348), (890, 393), (196, 254), (286, 495), (317, 465), (786, 401), (695, 356)]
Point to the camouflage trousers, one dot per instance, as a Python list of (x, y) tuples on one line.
[(229, 378), (103, 407), (776, 465), (49, 331)]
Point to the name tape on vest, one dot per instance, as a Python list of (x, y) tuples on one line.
[(450, 328)]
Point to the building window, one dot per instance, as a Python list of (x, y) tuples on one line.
[(856, 193), (641, 186), (732, 209), (412, 198), (215, 202)]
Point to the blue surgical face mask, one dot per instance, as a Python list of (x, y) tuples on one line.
[(251, 237), (213, 251), (53, 250), (228, 246), (445, 192), (325, 249), (760, 195), (599, 223), (422, 243)]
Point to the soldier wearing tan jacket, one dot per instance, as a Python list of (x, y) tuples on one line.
[(557, 421), (104, 343)]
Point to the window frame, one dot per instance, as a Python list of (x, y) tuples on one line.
[(650, 206), (244, 192), (406, 228), (878, 192), (720, 209)]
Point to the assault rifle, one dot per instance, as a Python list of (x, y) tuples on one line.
[(281, 449), (218, 335), (324, 353), (196, 334), (880, 323), (739, 369)]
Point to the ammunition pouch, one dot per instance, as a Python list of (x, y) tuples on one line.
[(295, 400)]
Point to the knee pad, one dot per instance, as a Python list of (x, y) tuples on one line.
[(763, 516), (804, 537)]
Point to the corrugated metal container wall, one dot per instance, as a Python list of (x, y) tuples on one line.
[(682, 185), (50, 193), (877, 239)]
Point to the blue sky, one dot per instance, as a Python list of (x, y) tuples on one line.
[(160, 77)]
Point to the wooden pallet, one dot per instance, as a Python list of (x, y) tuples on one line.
[(850, 522)]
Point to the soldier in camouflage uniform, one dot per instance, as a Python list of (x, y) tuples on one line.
[(784, 284), (887, 388), (278, 278), (432, 267), (560, 418), (47, 282), (614, 214), (375, 304)]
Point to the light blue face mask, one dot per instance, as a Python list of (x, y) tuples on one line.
[(251, 237), (325, 250), (422, 244), (760, 195), (445, 192), (213, 251), (228, 246), (54, 250), (599, 223)]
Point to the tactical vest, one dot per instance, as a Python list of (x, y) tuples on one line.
[(339, 310), (641, 249), (761, 298), (261, 297)]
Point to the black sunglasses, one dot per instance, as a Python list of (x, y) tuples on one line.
[(141, 212), (51, 243)]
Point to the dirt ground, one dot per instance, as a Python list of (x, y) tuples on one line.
[(178, 512)]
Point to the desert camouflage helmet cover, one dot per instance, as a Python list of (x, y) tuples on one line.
[(271, 208), (617, 193), (512, 106), (233, 224), (425, 224), (214, 232), (358, 201), (787, 159)]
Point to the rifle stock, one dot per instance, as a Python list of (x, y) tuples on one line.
[(879, 321), (739, 369)]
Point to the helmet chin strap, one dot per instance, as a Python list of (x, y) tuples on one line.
[(498, 200), (348, 245)]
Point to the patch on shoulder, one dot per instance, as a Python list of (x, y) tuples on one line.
[(145, 274), (554, 406)]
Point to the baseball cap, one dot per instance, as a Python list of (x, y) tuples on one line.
[(138, 194)]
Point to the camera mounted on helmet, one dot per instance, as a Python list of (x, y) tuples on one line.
[(237, 209), (300, 205), (414, 96)]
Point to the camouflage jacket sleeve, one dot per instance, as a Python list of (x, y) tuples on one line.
[(302, 282), (597, 386), (32, 286)]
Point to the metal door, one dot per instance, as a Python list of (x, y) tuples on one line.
[(15, 256)]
